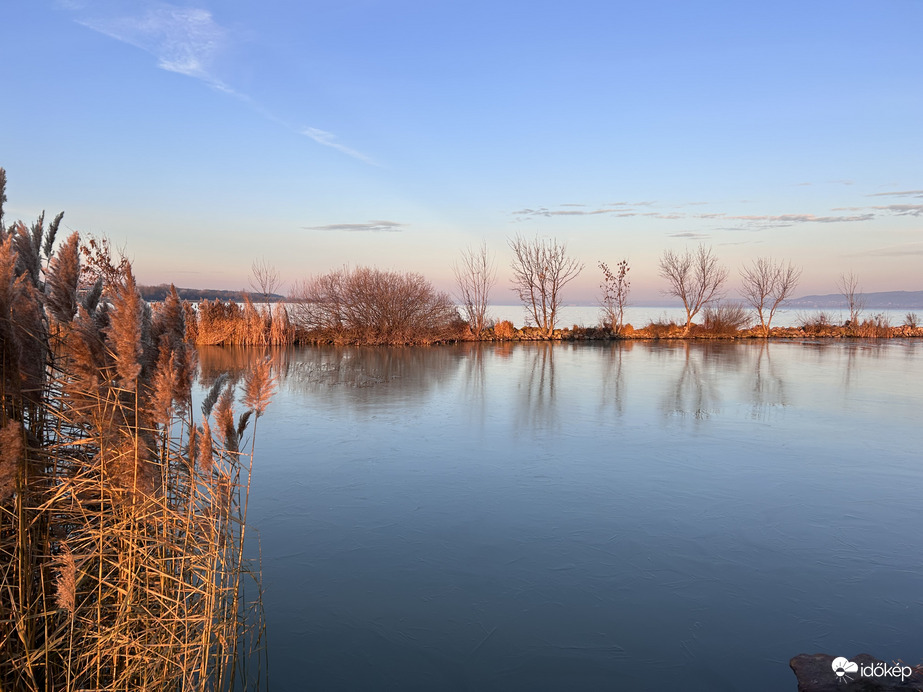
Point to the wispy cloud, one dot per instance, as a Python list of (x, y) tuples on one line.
[(892, 251), (542, 211), (903, 209), (904, 193), (617, 209), (370, 227), (328, 139), (765, 221), (187, 41), (690, 235)]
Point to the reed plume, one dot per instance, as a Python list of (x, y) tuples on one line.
[(27, 249), (206, 449), (52, 233), (66, 583), (11, 455), (224, 419), (124, 336), (63, 274), (259, 386)]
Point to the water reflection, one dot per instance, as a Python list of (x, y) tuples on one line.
[(768, 390), (697, 380), (396, 372), (550, 516), (613, 377), (535, 401)]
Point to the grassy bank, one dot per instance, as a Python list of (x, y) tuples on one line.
[(215, 323)]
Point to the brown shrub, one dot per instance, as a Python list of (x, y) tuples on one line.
[(372, 306)]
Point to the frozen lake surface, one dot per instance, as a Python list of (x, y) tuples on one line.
[(587, 516)]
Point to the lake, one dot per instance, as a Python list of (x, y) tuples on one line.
[(585, 516)]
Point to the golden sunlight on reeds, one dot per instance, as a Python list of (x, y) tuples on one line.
[(122, 518)]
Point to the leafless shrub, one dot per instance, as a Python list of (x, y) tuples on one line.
[(541, 269), (848, 285), (816, 324), (661, 328), (766, 284), (912, 320), (877, 327), (504, 329), (475, 275), (366, 305), (695, 277), (725, 319), (614, 299)]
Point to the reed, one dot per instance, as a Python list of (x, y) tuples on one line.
[(122, 518), (224, 323)]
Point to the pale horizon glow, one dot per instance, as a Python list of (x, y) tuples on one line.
[(200, 135)]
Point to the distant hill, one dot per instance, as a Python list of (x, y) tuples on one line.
[(159, 292), (894, 300)]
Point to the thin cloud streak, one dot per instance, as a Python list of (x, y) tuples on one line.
[(892, 251), (183, 40), (187, 41), (379, 226), (328, 139), (905, 193), (903, 209)]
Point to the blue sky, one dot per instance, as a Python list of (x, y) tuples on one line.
[(204, 135)]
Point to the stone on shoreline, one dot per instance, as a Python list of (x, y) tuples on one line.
[(815, 673)]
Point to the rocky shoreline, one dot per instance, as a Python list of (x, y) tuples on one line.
[(654, 332), (861, 673)]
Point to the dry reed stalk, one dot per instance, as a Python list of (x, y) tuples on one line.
[(121, 563)]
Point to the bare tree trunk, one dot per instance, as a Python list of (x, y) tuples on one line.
[(695, 277), (475, 275), (264, 279), (766, 284), (848, 285), (614, 298), (541, 268)]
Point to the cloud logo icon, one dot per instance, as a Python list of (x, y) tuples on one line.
[(841, 666)]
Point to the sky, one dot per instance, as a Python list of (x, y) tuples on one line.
[(201, 136)]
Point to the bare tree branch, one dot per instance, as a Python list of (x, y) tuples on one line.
[(615, 288), (475, 275), (264, 280), (695, 277), (766, 284), (541, 268), (848, 285)]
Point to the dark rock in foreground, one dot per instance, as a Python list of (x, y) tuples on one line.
[(862, 673)]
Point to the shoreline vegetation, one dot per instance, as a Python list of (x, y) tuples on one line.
[(216, 323), (123, 512), (365, 305)]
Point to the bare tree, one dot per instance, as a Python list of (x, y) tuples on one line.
[(766, 283), (695, 278), (848, 285), (264, 280), (475, 275), (541, 268), (614, 299)]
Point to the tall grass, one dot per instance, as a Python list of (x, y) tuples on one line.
[(217, 322), (122, 517)]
